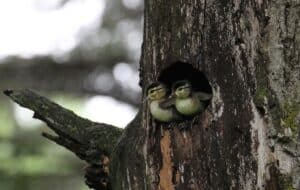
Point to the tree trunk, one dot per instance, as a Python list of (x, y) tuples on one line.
[(247, 54), (248, 137)]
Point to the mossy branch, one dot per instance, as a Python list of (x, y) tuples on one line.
[(90, 141)]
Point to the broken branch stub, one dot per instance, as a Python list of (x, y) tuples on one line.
[(90, 141)]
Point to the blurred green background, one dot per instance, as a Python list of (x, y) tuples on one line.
[(82, 54)]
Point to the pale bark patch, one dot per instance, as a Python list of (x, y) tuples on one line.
[(165, 174)]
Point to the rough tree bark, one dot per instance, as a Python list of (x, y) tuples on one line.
[(247, 54)]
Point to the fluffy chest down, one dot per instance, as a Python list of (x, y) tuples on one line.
[(188, 106), (160, 114)]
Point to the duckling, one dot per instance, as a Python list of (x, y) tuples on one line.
[(187, 102), (156, 95)]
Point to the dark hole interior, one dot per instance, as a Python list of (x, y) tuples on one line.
[(184, 71), (261, 110)]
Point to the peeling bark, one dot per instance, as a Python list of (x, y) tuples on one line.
[(165, 173)]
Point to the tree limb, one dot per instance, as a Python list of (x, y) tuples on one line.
[(83, 137), (90, 141)]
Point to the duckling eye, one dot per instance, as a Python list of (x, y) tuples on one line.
[(150, 91), (181, 89)]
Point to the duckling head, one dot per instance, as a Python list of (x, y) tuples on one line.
[(183, 89), (156, 91)]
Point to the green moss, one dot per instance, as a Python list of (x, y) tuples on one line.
[(286, 183), (260, 95), (262, 89), (290, 112)]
